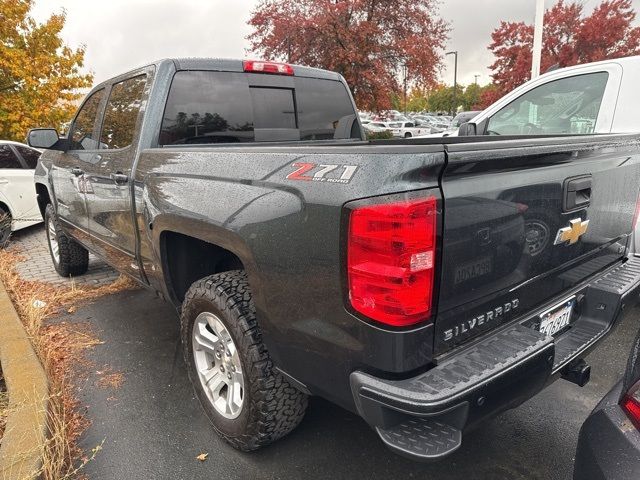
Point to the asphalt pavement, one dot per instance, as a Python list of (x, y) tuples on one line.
[(152, 426)]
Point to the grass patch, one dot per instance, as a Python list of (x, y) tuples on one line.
[(61, 347)]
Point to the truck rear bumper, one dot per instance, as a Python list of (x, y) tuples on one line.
[(423, 417)]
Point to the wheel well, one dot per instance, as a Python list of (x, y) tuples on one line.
[(43, 197), (4, 207), (187, 259)]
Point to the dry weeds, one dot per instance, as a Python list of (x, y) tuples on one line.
[(4, 403), (61, 348)]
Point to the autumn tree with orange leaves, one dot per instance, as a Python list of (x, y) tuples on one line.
[(39, 75), (570, 37), (369, 42)]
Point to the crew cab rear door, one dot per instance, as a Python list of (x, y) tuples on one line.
[(525, 220), (108, 178)]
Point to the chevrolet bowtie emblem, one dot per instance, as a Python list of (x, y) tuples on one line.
[(572, 233)]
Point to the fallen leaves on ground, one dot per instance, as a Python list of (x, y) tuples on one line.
[(202, 457), (108, 379)]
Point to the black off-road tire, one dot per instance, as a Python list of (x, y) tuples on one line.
[(272, 407), (5, 227), (74, 258)]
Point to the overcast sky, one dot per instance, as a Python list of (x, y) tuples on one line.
[(123, 34)]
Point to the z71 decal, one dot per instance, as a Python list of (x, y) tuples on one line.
[(312, 172)]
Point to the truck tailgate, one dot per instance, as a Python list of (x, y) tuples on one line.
[(525, 220)]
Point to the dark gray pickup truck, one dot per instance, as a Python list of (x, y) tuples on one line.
[(423, 284)]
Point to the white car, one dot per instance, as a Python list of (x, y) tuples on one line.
[(18, 203), (375, 127), (408, 129)]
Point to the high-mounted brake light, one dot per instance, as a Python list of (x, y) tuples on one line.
[(258, 66), (631, 404), (390, 260)]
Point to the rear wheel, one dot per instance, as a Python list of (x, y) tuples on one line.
[(5, 227), (69, 257), (249, 403)]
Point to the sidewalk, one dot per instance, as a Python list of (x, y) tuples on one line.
[(37, 265)]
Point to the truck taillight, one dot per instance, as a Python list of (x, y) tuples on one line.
[(258, 66), (390, 260), (631, 404)]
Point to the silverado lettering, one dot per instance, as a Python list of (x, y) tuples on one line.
[(481, 319)]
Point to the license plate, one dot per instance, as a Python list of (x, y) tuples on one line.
[(472, 270), (557, 318)]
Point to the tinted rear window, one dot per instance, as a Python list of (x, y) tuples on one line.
[(8, 158), (29, 155), (221, 107)]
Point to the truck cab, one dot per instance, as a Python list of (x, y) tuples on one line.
[(584, 99)]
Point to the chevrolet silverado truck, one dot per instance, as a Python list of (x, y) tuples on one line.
[(398, 279)]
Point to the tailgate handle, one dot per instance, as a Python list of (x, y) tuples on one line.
[(577, 193)]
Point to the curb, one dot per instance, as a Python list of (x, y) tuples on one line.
[(26, 427)]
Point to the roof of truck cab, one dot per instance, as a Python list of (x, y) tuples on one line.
[(219, 65), (622, 61), (235, 65)]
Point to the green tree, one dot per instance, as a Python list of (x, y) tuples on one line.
[(441, 98), (471, 96), (40, 76)]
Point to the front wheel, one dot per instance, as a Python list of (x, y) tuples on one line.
[(69, 257), (248, 402), (407, 135)]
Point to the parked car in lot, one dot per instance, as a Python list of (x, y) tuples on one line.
[(408, 129), (18, 205), (609, 442), (377, 126), (393, 278)]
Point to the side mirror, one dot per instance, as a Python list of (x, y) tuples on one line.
[(467, 129), (42, 137)]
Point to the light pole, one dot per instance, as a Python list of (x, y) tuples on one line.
[(537, 39), (475, 78), (404, 66), (455, 78)]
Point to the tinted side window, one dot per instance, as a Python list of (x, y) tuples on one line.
[(29, 155), (565, 106), (121, 113), (81, 136), (324, 107), (8, 159), (208, 107)]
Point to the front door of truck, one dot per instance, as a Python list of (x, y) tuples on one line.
[(68, 167), (109, 180)]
